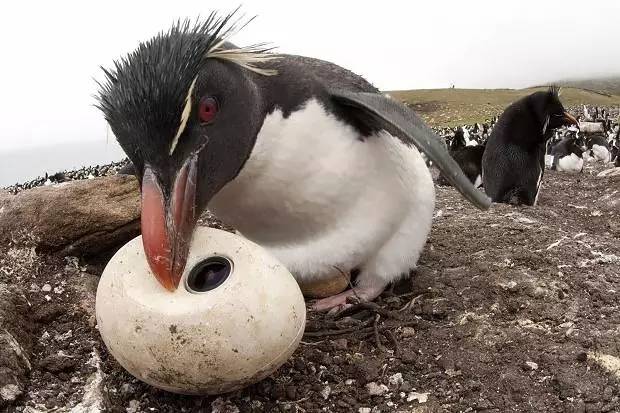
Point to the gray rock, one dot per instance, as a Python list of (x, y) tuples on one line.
[(14, 344), (85, 217)]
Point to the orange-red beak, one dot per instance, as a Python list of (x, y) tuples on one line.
[(570, 119), (168, 224)]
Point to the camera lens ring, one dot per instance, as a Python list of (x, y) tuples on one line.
[(208, 274)]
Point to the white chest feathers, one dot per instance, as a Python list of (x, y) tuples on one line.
[(318, 195), (570, 163), (601, 153)]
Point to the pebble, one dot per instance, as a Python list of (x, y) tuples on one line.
[(364, 410), (349, 382), (531, 365), (127, 388), (10, 392), (325, 392), (134, 406), (408, 332), (340, 344), (220, 405), (375, 389), (420, 397), (396, 379), (46, 288)]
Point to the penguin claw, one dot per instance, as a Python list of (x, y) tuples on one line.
[(339, 302)]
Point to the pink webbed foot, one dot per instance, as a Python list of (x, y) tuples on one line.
[(339, 302)]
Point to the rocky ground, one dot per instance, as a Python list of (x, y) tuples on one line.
[(514, 309)]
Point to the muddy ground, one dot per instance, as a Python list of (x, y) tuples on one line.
[(514, 309)]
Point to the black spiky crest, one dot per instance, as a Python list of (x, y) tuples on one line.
[(554, 91), (159, 72)]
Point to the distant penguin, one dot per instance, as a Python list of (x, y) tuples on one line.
[(586, 114), (514, 159), (597, 144), (468, 157), (567, 155), (615, 147)]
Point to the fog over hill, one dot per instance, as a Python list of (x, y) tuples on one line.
[(607, 84)]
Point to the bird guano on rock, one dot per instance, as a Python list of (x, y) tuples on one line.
[(303, 157)]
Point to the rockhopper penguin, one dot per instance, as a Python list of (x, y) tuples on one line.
[(513, 162), (303, 157)]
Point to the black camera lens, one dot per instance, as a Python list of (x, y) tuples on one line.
[(208, 274)]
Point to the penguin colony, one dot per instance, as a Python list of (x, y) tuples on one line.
[(465, 143), (58, 177), (569, 149)]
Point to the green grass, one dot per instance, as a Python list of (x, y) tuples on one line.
[(452, 107)]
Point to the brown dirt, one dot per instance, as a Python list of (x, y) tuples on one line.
[(507, 311)]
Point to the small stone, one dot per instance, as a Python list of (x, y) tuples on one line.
[(46, 288), (396, 379), (340, 344), (538, 292), (326, 392), (63, 337), (420, 397), (408, 358), (511, 286), (453, 372), (530, 365), (406, 386), (364, 410), (291, 393), (220, 405), (349, 382), (375, 389), (134, 406), (10, 392), (408, 332)]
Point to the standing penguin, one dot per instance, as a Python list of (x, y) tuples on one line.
[(469, 159), (303, 157), (514, 158)]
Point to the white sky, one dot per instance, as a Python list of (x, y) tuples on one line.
[(51, 50)]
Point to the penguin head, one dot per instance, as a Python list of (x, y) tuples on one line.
[(549, 111), (185, 109), (458, 140), (576, 145)]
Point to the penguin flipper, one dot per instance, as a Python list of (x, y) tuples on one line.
[(381, 112)]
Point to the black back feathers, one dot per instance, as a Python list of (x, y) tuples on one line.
[(513, 161)]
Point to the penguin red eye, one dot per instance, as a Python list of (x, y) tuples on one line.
[(208, 109)]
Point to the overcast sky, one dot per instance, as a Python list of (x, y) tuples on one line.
[(51, 50)]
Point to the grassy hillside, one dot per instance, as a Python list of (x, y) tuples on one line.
[(451, 107), (609, 85)]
